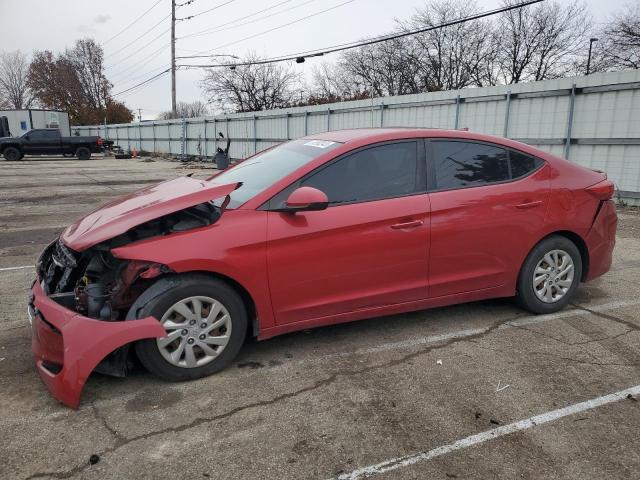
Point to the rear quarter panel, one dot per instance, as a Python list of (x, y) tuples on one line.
[(570, 206)]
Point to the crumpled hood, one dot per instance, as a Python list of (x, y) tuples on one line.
[(125, 213)]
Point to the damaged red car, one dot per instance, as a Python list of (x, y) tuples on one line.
[(331, 228)]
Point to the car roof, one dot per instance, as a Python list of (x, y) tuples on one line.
[(364, 136)]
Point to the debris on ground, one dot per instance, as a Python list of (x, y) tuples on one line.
[(500, 388), (438, 362), (93, 459)]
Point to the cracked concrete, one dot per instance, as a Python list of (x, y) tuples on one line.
[(315, 404)]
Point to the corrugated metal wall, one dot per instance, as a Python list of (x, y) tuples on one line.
[(21, 121), (594, 121)]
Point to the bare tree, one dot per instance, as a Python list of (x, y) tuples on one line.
[(75, 82), (250, 88), (620, 39), (87, 59), (542, 41), (14, 91), (331, 83), (455, 56), (388, 68), (446, 58), (186, 110)]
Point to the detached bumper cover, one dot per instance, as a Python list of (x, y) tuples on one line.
[(67, 346)]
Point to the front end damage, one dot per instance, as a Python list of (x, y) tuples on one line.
[(79, 302)]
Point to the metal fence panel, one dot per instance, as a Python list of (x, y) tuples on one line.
[(594, 121)]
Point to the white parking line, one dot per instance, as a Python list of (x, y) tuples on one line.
[(401, 462), (6, 269)]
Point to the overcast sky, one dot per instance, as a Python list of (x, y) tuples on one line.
[(53, 25)]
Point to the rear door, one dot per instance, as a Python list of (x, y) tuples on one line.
[(487, 210), (368, 249)]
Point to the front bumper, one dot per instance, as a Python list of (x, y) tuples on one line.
[(67, 346)]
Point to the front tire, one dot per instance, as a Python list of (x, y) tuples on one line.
[(206, 324), (83, 153), (12, 154), (550, 275)]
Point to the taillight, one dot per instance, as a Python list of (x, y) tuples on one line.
[(100, 141), (603, 190)]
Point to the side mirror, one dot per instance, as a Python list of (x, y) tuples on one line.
[(305, 199)]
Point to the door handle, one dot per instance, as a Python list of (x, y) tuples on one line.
[(405, 225), (529, 204)]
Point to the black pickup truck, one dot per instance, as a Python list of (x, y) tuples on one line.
[(48, 141)]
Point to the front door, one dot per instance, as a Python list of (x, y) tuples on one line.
[(368, 249)]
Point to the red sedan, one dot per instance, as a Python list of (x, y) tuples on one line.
[(331, 228)]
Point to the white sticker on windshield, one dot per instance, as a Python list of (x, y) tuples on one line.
[(319, 143)]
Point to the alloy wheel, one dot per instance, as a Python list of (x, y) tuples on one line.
[(553, 276), (198, 329)]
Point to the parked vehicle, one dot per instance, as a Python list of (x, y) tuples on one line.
[(48, 141), (331, 228)]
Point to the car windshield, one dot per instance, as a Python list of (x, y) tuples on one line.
[(264, 169)]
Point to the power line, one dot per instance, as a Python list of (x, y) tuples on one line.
[(261, 18), (217, 28), (126, 73), (205, 11), (342, 47), (138, 50), (362, 43), (273, 29), (132, 23), (139, 37), (148, 80), (134, 78)]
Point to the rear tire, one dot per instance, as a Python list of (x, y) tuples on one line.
[(550, 275), (219, 304), (83, 153), (12, 154)]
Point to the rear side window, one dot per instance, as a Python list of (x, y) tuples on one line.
[(43, 135), (522, 164), (459, 164), (384, 171), (465, 164)]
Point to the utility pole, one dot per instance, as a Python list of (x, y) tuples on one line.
[(173, 57), (139, 114), (591, 40)]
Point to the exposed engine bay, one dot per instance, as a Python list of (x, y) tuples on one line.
[(96, 284)]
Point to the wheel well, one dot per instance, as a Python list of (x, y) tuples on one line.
[(4, 147), (582, 248), (249, 304)]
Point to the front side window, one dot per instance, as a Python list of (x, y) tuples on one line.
[(383, 171), (466, 164)]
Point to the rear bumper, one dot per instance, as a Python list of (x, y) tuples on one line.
[(67, 346), (601, 240)]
